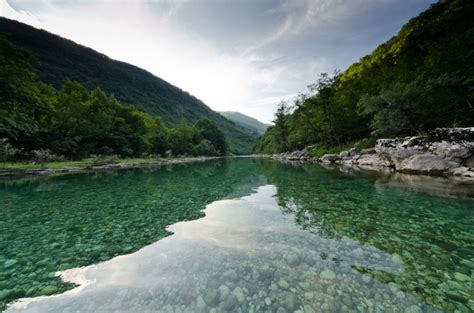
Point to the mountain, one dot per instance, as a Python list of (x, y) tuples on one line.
[(420, 79), (250, 124), (59, 59)]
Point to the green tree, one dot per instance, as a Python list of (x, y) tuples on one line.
[(207, 130)]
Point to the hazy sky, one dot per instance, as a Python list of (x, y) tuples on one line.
[(240, 55)]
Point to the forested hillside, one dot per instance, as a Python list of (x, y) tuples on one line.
[(57, 59), (251, 125), (420, 79), (41, 123)]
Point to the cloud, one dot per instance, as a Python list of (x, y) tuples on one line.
[(130, 33), (238, 56)]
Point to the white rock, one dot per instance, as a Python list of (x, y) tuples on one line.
[(426, 163)]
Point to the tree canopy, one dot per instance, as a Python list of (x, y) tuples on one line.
[(75, 122), (420, 79)]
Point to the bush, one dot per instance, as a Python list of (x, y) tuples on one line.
[(98, 159), (320, 150), (7, 151), (45, 156), (205, 148)]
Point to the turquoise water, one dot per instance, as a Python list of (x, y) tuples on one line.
[(273, 237)]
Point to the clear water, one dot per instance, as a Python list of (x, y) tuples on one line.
[(273, 237)]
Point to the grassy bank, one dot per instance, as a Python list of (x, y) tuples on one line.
[(13, 168)]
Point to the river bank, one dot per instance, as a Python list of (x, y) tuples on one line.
[(21, 169), (442, 152)]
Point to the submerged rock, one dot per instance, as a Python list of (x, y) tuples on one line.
[(230, 275), (49, 290), (283, 284), (223, 291), (239, 294), (229, 302), (327, 274), (210, 296), (292, 259)]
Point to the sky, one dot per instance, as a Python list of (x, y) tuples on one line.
[(235, 55)]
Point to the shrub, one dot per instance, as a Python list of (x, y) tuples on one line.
[(98, 159), (7, 151), (45, 156)]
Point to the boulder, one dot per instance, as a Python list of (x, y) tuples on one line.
[(344, 154), (450, 150), (373, 160), (462, 171), (469, 162), (330, 158), (367, 151), (426, 163)]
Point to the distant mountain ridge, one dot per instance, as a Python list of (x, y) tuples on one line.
[(59, 59), (248, 123)]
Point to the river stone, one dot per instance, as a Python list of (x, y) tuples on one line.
[(292, 259), (373, 160), (304, 285), (348, 302), (366, 278), (5, 294), (223, 292), (461, 277), (426, 163), (328, 274), (239, 294), (10, 263), (49, 290), (413, 309), (266, 272), (463, 171), (268, 301), (200, 304), (283, 284), (230, 275), (450, 150), (210, 296), (229, 302), (330, 158), (290, 301), (469, 162)]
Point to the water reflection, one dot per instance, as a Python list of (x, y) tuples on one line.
[(307, 238), (243, 256)]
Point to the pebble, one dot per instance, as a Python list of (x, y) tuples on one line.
[(290, 301), (283, 284), (268, 301), (229, 302), (239, 294), (292, 259), (223, 291), (461, 277), (230, 275), (210, 296), (200, 303), (49, 290), (328, 274), (366, 278), (413, 309)]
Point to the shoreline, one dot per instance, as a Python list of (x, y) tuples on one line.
[(121, 164), (447, 152)]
